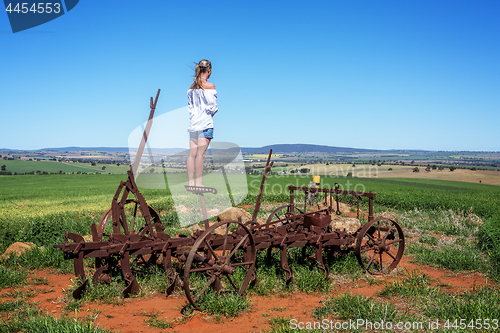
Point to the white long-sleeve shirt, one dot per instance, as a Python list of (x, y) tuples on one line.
[(202, 105)]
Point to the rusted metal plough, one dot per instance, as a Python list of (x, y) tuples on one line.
[(229, 246)]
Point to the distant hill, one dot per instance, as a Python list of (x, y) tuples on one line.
[(303, 148), (107, 149), (278, 149)]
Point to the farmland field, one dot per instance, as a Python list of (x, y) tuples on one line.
[(452, 230)]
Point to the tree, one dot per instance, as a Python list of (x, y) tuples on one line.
[(441, 168), (415, 169), (452, 168), (4, 167), (428, 169), (92, 163), (103, 168), (390, 169)]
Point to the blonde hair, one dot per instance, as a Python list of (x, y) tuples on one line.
[(201, 67)]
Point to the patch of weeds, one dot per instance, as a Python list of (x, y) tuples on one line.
[(31, 320), (153, 280), (100, 292), (228, 304), (372, 281), (308, 280), (415, 284), (20, 293), (280, 324), (356, 306), (9, 306), (277, 308), (429, 240), (482, 302), (154, 321), (39, 258), (38, 281), (73, 305), (46, 291), (448, 222), (456, 259), (346, 265), (11, 277)]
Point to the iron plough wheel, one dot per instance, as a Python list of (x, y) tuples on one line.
[(220, 253), (283, 212), (381, 242)]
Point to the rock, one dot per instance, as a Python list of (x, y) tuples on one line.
[(388, 215), (347, 224), (17, 248), (232, 213), (194, 227), (183, 209), (344, 208), (213, 212)]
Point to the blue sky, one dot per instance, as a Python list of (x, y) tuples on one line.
[(366, 74)]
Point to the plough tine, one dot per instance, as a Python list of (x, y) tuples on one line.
[(284, 264)]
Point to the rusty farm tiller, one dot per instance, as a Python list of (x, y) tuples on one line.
[(226, 251)]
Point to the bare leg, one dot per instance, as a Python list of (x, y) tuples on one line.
[(200, 157), (193, 148)]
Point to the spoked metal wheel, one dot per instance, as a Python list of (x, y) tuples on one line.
[(283, 212), (380, 245), (227, 258)]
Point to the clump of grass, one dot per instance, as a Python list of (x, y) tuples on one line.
[(229, 304), (37, 281), (11, 277), (445, 221), (464, 258), (39, 258), (489, 242), (482, 302), (415, 284), (153, 320), (429, 240), (356, 306), (9, 306), (100, 292), (309, 281), (280, 324)]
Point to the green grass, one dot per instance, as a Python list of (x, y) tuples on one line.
[(478, 303), (348, 306), (464, 258), (10, 277), (22, 166), (414, 284), (153, 320)]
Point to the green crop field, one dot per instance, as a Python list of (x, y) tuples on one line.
[(75, 201)]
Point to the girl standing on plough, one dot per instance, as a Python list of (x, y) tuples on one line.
[(202, 105)]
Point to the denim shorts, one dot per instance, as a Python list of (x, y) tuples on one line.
[(207, 133)]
